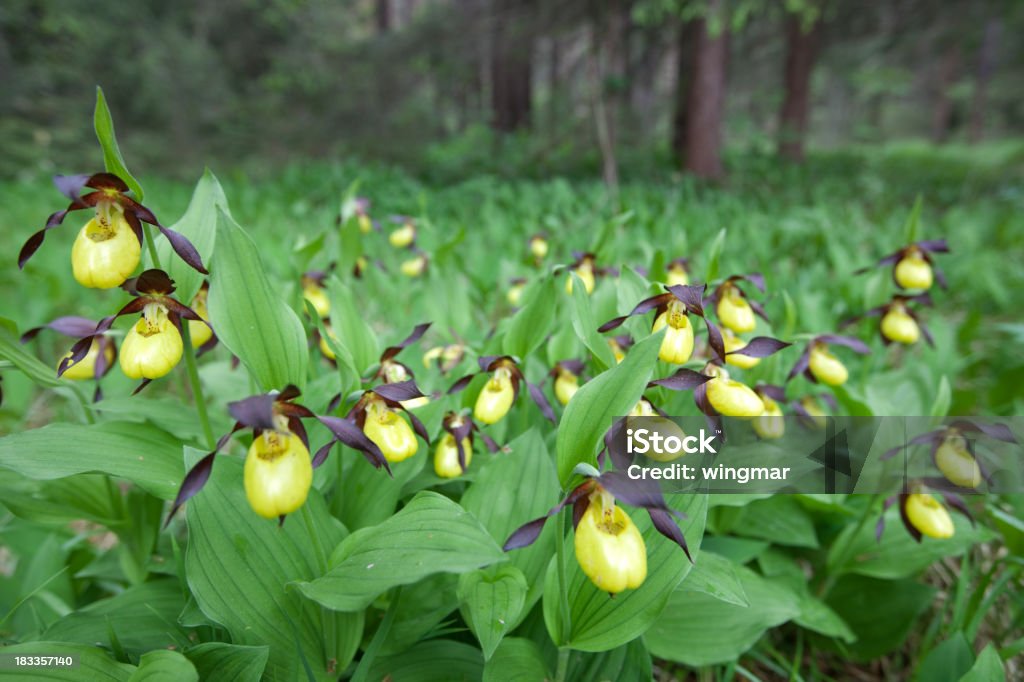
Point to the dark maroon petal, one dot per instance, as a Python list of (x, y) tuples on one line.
[(643, 492), (73, 326), (399, 392), (78, 352), (140, 212), (933, 245), (461, 384), (104, 181), (256, 412), (351, 435), (288, 393), (416, 335), (183, 247), (758, 309), (573, 365), (102, 365), (491, 444), (940, 277), (71, 186), (997, 431), (879, 528), (333, 403), (418, 427), (667, 526), (193, 482), (683, 380), (926, 333), (613, 323), (542, 402), (321, 455), (856, 345), (957, 503), (755, 278), (761, 347), (526, 534), (461, 453), (293, 410), (181, 310), (914, 532), (142, 385), (700, 397), (152, 281), (715, 339), (776, 393), (691, 295), (295, 426)]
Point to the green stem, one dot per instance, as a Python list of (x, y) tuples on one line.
[(196, 386), (90, 418), (842, 554), (330, 622), (563, 664), (151, 247), (363, 669)]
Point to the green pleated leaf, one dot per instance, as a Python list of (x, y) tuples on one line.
[(94, 664), (600, 622), (113, 162), (164, 666), (437, 660), (139, 453), (714, 256), (491, 601), (517, 660), (531, 324), (250, 317), (591, 411), (715, 576), (350, 328), (220, 661), (18, 355), (199, 225), (141, 618), (585, 324), (781, 519), (698, 629), (987, 668), (512, 489), (240, 568), (628, 663), (430, 535)]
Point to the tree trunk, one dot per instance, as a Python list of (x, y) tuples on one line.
[(383, 16), (801, 52), (684, 75), (942, 109), (986, 65), (705, 105), (512, 48)]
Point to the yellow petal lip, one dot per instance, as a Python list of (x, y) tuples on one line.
[(403, 236), (898, 326), (85, 368), (391, 433), (734, 311), (928, 516), (278, 474), (538, 247), (104, 256), (496, 397), (826, 367), (316, 296), (566, 385), (609, 548), (770, 424), (152, 347), (733, 398), (956, 463), (446, 456), (585, 271), (677, 344), (734, 343), (913, 271)]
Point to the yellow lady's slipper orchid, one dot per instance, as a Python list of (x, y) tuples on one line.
[(826, 367), (152, 346), (446, 456), (414, 267), (642, 409), (107, 250), (495, 399), (913, 271), (566, 385), (677, 344), (365, 223), (317, 297), (392, 434), (609, 547), (813, 409), (676, 274), (200, 332), (585, 271), (514, 296), (325, 347), (899, 326), (278, 473), (734, 311), (732, 398), (928, 516), (538, 246), (956, 463), (617, 351), (85, 368), (733, 342), (403, 236), (770, 424)]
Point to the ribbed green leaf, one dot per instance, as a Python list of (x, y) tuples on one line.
[(516, 660), (531, 324), (137, 452), (199, 224), (987, 668), (599, 622), (249, 315), (430, 535), (112, 159), (630, 662), (18, 355), (591, 411), (164, 666), (585, 324), (437, 660), (220, 661), (94, 664), (240, 567), (491, 601), (350, 327), (715, 576)]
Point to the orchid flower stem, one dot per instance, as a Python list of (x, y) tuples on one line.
[(196, 386), (843, 552), (151, 246), (362, 672)]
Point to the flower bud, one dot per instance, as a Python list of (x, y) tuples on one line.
[(566, 385), (913, 271), (928, 516), (734, 311), (390, 432), (85, 368), (403, 236), (733, 342), (585, 271), (278, 474), (826, 367), (609, 548), (538, 247), (899, 326), (200, 332), (677, 344), (317, 297), (446, 456), (956, 463), (152, 346), (414, 267), (676, 274), (770, 424), (495, 398), (106, 251), (733, 398)]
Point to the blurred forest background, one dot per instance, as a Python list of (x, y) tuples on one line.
[(449, 88)]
